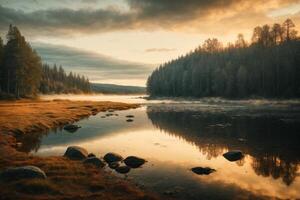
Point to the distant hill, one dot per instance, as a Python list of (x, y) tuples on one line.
[(117, 89)]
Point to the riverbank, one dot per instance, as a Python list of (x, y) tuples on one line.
[(66, 179)]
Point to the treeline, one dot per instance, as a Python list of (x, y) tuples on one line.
[(22, 73), (269, 66), (56, 80)]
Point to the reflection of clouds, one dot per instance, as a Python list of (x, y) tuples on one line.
[(213, 142)]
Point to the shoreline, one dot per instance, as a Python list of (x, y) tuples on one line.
[(66, 179)]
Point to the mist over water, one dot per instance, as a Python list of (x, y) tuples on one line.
[(175, 136)]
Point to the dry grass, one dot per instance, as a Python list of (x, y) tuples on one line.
[(66, 179), (28, 116)]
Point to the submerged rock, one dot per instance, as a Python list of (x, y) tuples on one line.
[(123, 169), (76, 153), (129, 120), (233, 155), (203, 170), (25, 172), (134, 162), (112, 157), (114, 165), (129, 116), (94, 161), (71, 128)]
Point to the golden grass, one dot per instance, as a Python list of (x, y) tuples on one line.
[(28, 116), (66, 179)]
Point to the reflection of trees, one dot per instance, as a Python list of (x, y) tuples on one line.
[(273, 166), (273, 144), (32, 141)]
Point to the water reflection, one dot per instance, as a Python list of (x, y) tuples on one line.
[(175, 138), (272, 143)]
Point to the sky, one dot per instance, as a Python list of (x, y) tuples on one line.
[(134, 36)]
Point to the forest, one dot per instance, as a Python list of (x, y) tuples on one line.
[(268, 66), (22, 73)]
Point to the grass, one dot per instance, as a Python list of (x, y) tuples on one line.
[(66, 179)]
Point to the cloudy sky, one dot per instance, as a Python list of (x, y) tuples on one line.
[(137, 34)]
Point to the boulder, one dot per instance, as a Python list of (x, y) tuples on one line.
[(129, 120), (25, 172), (134, 162), (91, 155), (112, 157), (123, 169), (76, 153), (94, 161), (114, 165), (71, 128), (203, 170), (233, 155)]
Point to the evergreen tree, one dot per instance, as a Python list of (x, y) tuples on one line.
[(21, 65), (22, 73), (268, 67)]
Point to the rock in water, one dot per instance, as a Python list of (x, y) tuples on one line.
[(112, 157), (134, 162), (76, 153), (123, 169), (203, 170), (233, 155), (114, 165), (94, 161), (71, 128), (129, 120), (129, 116), (26, 172), (91, 155)]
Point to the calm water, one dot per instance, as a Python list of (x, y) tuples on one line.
[(175, 136)]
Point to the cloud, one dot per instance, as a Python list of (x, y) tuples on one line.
[(201, 16), (159, 50), (99, 68)]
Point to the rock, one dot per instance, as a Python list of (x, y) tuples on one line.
[(129, 116), (76, 153), (114, 165), (18, 144), (91, 155), (25, 172), (129, 120), (233, 155), (203, 170), (134, 162), (71, 127), (242, 140), (123, 169), (94, 161), (112, 157), (102, 116), (111, 110)]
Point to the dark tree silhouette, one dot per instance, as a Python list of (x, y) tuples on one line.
[(268, 67), (22, 73)]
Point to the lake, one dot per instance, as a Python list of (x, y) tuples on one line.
[(177, 135)]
